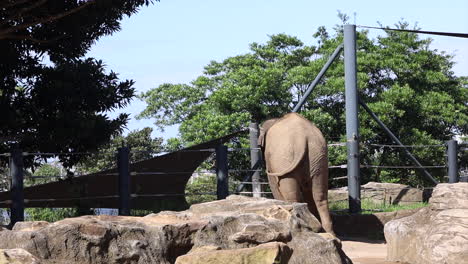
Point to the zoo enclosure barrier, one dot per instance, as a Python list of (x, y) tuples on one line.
[(452, 149), (252, 174)]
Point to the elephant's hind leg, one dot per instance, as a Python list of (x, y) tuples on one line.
[(289, 189), (309, 199), (320, 195), (321, 203), (274, 182)]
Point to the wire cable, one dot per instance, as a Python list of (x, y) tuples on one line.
[(447, 34)]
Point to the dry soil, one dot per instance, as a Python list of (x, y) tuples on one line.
[(365, 251)]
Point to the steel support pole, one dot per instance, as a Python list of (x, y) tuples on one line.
[(352, 121), (319, 76), (397, 141), (123, 166), (222, 184), (254, 159), (17, 194), (452, 160)]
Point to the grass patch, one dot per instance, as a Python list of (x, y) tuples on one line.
[(370, 207)]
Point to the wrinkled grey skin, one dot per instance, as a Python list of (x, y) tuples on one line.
[(295, 153)]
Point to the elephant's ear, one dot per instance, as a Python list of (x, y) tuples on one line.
[(261, 138), (264, 129)]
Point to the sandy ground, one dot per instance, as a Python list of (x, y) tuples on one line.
[(364, 251)]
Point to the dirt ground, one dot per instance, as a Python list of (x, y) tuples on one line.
[(365, 251)]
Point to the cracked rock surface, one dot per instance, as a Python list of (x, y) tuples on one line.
[(244, 228), (435, 234)]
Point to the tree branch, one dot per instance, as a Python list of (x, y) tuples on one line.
[(39, 41), (14, 3), (45, 20), (22, 11)]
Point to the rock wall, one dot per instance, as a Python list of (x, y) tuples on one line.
[(436, 234), (383, 193), (256, 228)]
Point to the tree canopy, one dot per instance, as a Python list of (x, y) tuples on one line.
[(408, 84), (52, 98), (140, 142)]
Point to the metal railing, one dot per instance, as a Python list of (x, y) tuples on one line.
[(257, 189)]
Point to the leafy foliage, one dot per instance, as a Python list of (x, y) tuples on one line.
[(52, 99), (409, 85), (202, 189), (140, 142), (50, 214)]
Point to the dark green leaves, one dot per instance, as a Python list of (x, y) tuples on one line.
[(410, 86), (52, 99)]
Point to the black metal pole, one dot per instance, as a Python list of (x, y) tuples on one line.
[(452, 147), (319, 76), (397, 141), (254, 158), (352, 121), (123, 166), (17, 195), (222, 184)]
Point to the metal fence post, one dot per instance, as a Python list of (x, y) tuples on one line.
[(124, 180), (352, 121), (17, 195), (222, 184), (452, 148), (319, 76), (397, 141), (254, 158)]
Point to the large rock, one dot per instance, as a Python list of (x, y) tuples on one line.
[(436, 234), (269, 253), (238, 222), (382, 193), (105, 239), (235, 223), (17, 256)]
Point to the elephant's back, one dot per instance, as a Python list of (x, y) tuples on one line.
[(295, 126), (289, 138)]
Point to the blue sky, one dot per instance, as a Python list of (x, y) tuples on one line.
[(172, 40)]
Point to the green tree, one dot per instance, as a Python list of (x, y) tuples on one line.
[(408, 84), (49, 90), (202, 189), (140, 142)]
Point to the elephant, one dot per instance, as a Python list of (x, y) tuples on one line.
[(295, 153)]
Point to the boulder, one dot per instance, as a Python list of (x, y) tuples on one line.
[(435, 234), (269, 253), (30, 225), (382, 193), (232, 224), (105, 239), (17, 256), (238, 222)]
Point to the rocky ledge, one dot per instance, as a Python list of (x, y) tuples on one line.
[(436, 234), (383, 193), (235, 230)]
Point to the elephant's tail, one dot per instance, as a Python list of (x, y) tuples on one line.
[(291, 167)]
